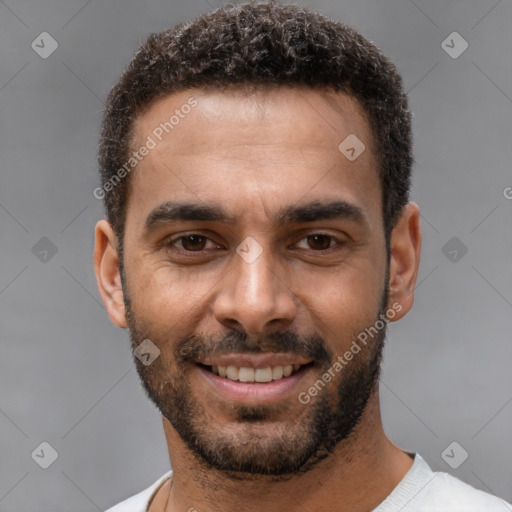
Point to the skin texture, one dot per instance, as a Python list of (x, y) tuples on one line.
[(254, 152)]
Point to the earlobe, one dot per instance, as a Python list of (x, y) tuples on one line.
[(405, 246), (106, 268)]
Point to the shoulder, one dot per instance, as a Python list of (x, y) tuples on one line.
[(436, 491), (456, 495), (139, 502)]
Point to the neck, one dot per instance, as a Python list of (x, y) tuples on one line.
[(360, 473)]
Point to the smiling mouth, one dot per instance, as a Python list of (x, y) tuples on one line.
[(256, 375)]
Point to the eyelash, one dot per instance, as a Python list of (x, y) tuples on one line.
[(169, 244)]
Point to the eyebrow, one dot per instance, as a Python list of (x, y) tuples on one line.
[(184, 211), (172, 211), (321, 210)]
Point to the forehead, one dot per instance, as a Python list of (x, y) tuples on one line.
[(257, 115), (253, 150)]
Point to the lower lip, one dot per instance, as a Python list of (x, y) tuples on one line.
[(256, 391)]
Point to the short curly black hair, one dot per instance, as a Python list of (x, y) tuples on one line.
[(260, 44)]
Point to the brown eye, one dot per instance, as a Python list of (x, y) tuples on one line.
[(319, 242), (193, 242)]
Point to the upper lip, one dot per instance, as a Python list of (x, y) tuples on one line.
[(253, 360)]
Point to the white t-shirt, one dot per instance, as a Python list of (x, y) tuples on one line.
[(421, 490)]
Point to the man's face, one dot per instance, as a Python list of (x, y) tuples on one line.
[(285, 275)]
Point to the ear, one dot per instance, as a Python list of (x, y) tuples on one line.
[(405, 259), (108, 277)]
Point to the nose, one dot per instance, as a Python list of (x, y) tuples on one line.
[(253, 297)]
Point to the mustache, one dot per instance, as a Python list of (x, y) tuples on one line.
[(194, 346)]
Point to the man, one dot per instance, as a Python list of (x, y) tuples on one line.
[(255, 168)]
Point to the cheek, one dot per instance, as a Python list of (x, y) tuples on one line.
[(344, 303), (169, 303), (162, 288)]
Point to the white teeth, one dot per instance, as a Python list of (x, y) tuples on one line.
[(287, 370), (245, 374), (277, 372), (232, 372), (263, 374)]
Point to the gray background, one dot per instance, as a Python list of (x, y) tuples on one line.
[(66, 374)]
